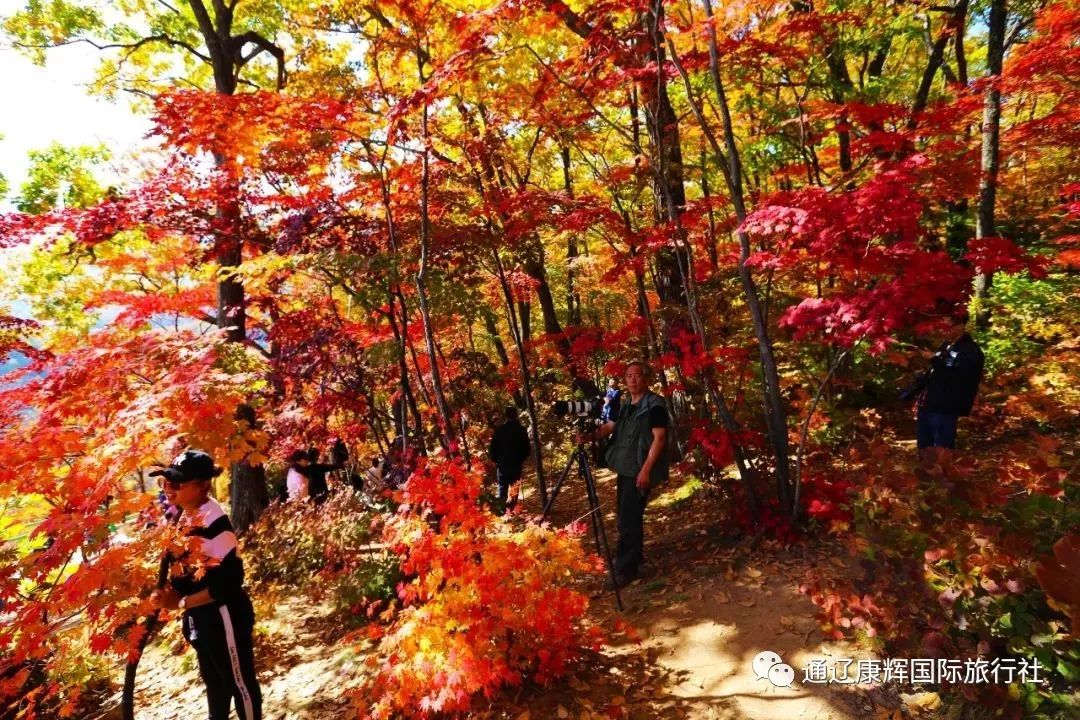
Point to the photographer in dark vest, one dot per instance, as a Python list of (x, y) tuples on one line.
[(638, 456)]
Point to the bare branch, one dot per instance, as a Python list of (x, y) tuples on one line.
[(261, 45), (1014, 34), (141, 93), (131, 47)]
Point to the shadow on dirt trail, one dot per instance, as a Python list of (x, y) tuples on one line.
[(703, 610)]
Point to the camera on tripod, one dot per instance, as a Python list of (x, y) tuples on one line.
[(586, 413)]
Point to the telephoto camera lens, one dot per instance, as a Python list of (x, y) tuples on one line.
[(562, 408)]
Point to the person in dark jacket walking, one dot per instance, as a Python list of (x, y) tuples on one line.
[(949, 391), (509, 449), (316, 472), (208, 585)]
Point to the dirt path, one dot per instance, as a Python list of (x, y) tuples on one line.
[(304, 671), (705, 608)]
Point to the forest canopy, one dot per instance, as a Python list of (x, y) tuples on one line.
[(382, 223)]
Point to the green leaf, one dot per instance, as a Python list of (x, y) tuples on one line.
[(1068, 670), (1041, 639)]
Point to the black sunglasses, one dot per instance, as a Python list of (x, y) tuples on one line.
[(163, 481)]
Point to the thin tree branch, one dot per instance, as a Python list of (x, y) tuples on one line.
[(1014, 34), (166, 39), (806, 427), (610, 123)]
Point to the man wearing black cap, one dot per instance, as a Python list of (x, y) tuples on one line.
[(207, 583)]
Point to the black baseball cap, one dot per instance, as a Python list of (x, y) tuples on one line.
[(189, 465)]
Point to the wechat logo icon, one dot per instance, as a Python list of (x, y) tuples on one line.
[(768, 665)]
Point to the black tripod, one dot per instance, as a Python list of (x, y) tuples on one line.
[(581, 458)]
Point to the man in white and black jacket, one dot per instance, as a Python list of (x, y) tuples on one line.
[(207, 583)]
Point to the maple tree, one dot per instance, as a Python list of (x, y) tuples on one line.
[(483, 606)]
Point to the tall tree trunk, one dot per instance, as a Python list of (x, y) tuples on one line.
[(247, 490), (663, 127), (775, 412), (524, 308), (650, 345), (526, 381), (991, 131), (714, 260), (958, 42), (573, 300), (500, 349), (376, 422), (957, 233), (841, 88), (933, 62), (493, 333), (534, 267), (408, 399), (248, 495), (424, 392), (443, 407)]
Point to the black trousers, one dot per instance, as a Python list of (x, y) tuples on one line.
[(221, 637), (630, 550), (935, 429), (506, 477)]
